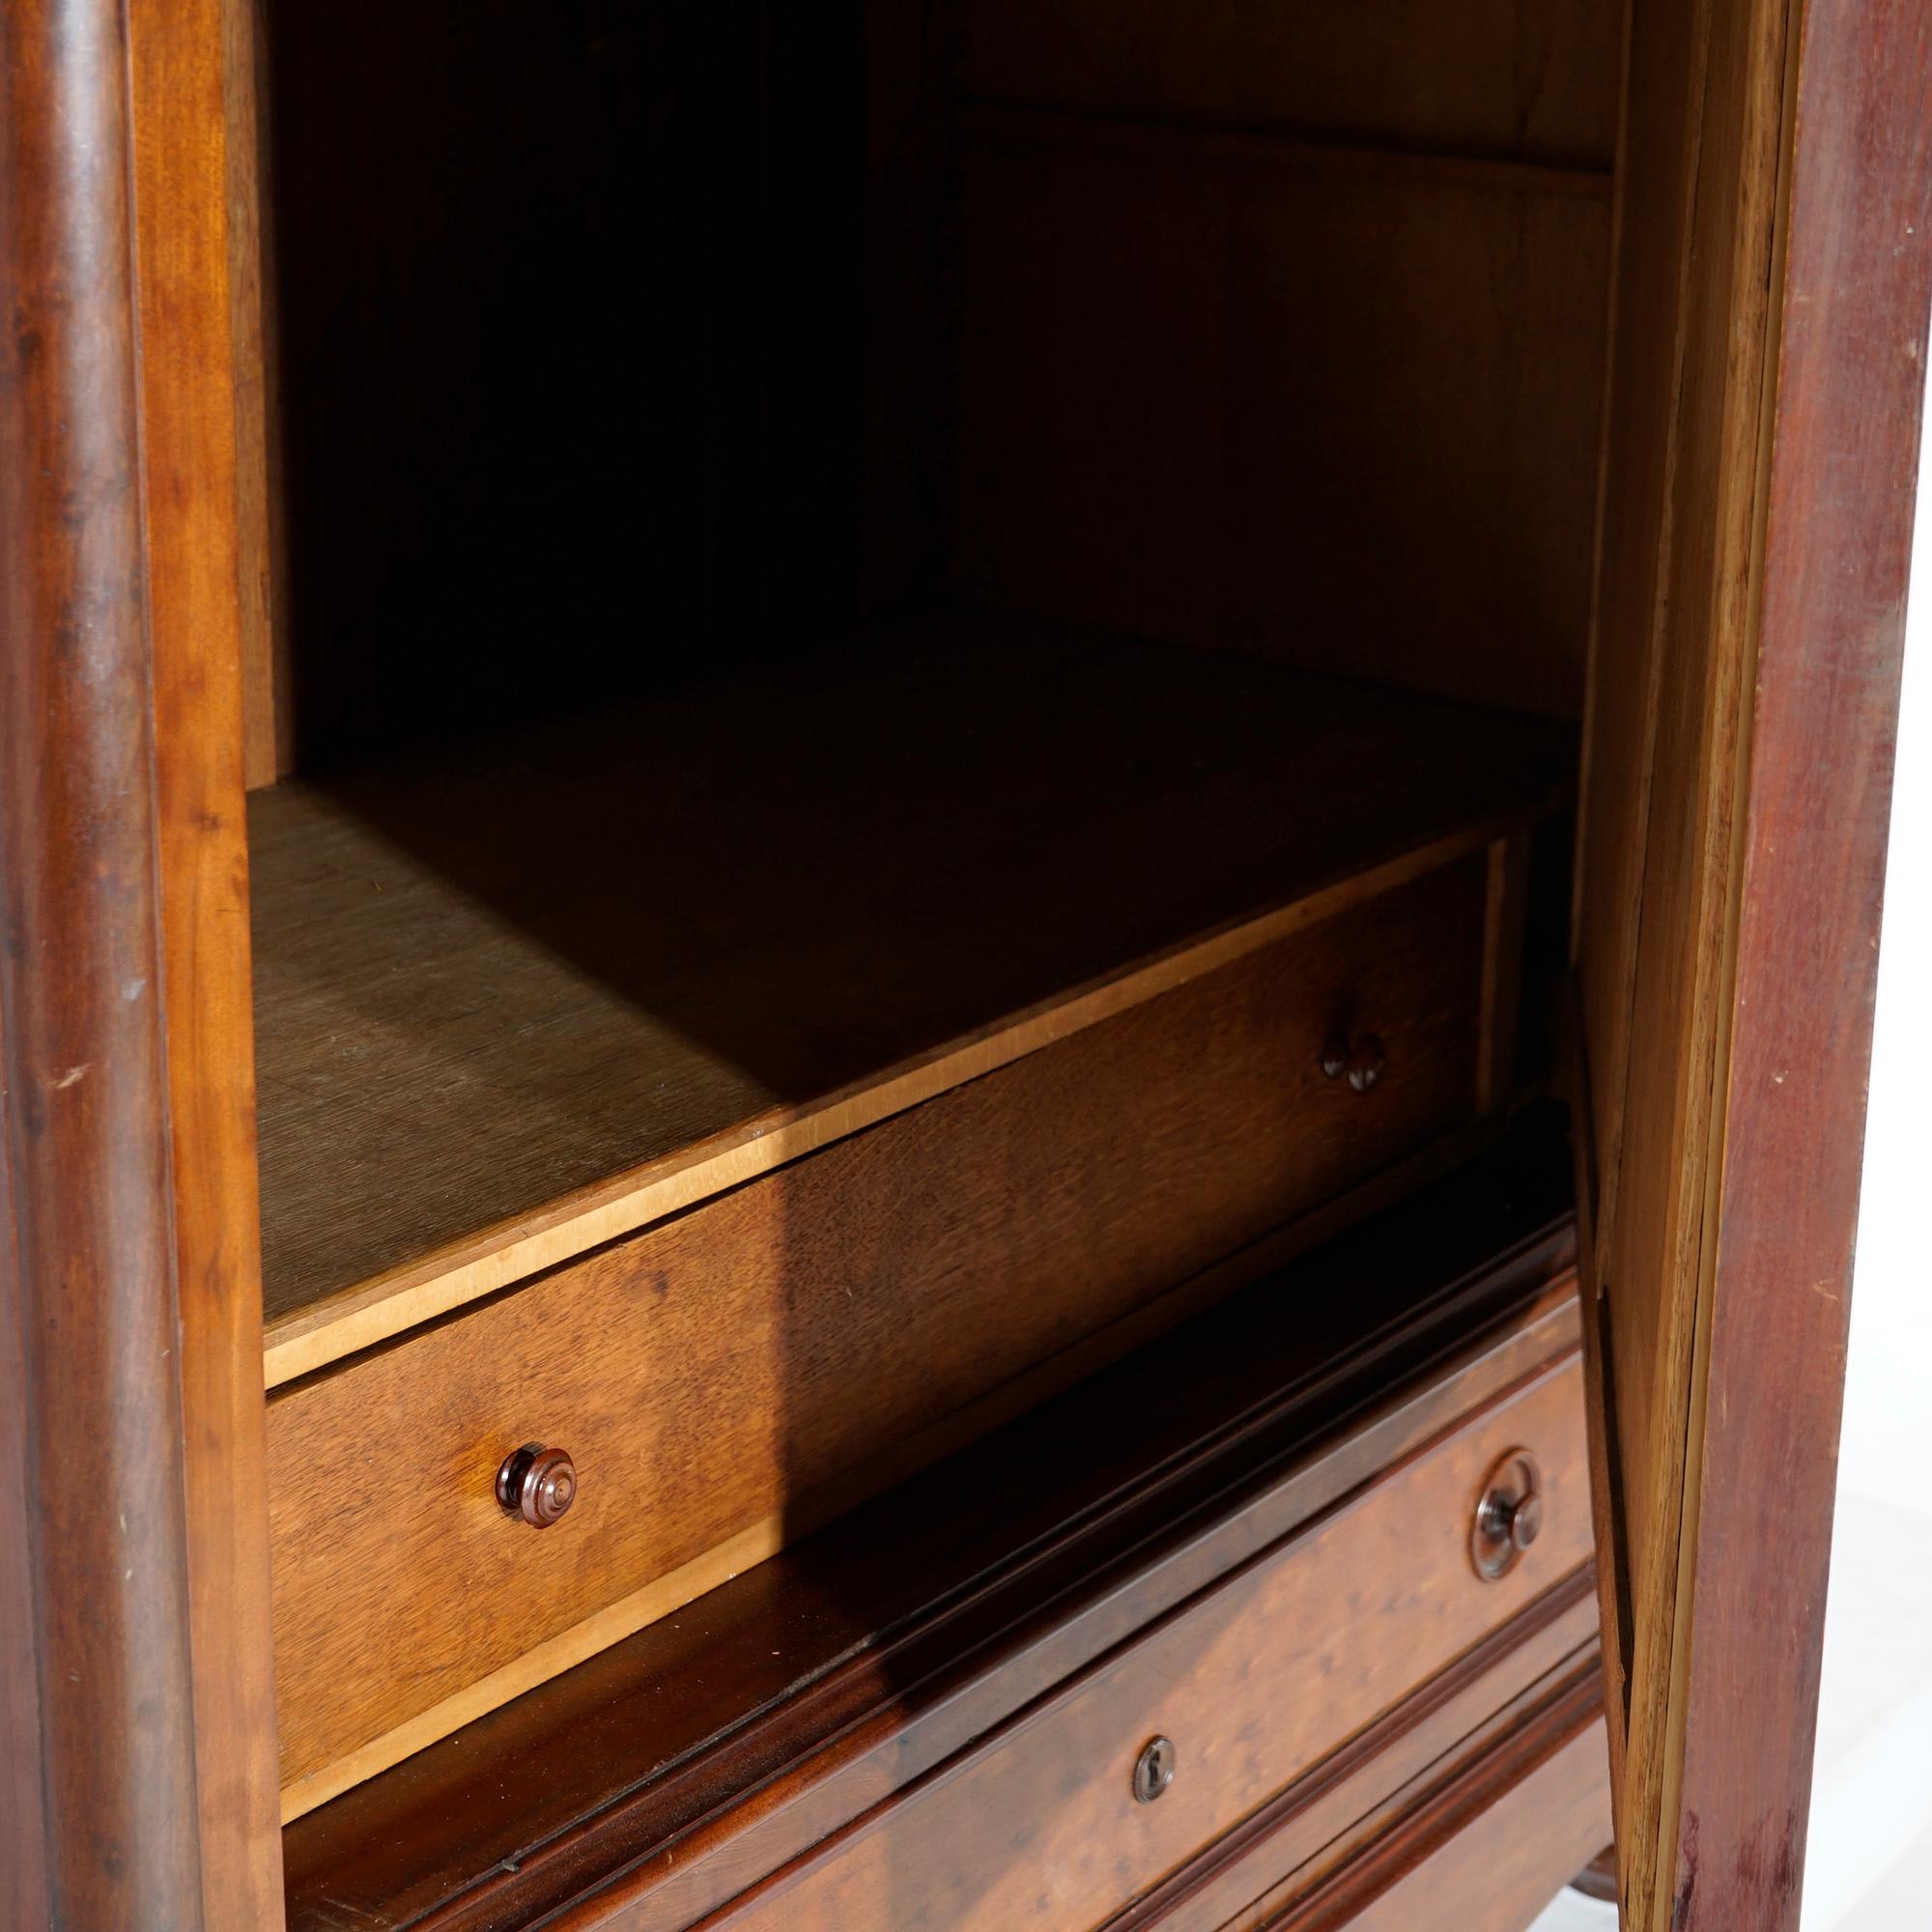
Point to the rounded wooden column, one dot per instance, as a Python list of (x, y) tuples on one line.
[(94, 1651)]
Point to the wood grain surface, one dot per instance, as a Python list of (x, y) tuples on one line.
[(1668, 759), (701, 1854), (1467, 1722), (1663, 460), (1769, 363), (182, 88), (1492, 1850), (425, 223), (517, 1001), (726, 1373), (1212, 384), (1253, 1682), (718, 1743), (1835, 557), (26, 1874), (459, 1096), (267, 717), (98, 1669)]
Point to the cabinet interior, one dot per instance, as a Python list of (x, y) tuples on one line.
[(788, 542), (797, 566)]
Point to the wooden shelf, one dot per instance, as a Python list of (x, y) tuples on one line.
[(524, 997)]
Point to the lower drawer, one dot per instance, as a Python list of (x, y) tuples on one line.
[(1495, 1780), (1535, 1824), (726, 1380), (1053, 1822)]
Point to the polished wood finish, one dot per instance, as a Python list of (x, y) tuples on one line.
[(723, 1741), (142, 1570), (268, 720), (1233, 330), (1496, 1842), (1037, 1825), (26, 1894), (1494, 1702), (97, 1667), (727, 1379), (1663, 763), (182, 83), (1836, 554), (499, 1024), (1755, 551)]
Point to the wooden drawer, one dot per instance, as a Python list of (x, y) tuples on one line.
[(1493, 1868), (665, 1776), (726, 1379), (1253, 1682), (1502, 1759)]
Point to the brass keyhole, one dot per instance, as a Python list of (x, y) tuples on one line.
[(1154, 1770)]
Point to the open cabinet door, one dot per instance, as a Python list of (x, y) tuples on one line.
[(1769, 332)]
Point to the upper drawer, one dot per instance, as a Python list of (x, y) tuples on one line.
[(1248, 1686), (726, 1379)]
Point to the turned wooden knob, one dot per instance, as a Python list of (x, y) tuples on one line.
[(1361, 1061), (1509, 1519), (537, 1484)]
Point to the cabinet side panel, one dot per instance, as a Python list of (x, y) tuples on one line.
[(1771, 310), (1654, 1248), (188, 404), (1668, 752), (1655, 198), (1837, 553)]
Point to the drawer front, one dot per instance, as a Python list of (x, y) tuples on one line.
[(1253, 1683), (726, 1379), (1496, 1874)]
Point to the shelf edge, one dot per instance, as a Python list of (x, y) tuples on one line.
[(481, 1265)]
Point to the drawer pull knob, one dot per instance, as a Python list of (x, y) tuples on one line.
[(537, 1484), (1509, 1519), (1154, 1770), (1361, 1062)]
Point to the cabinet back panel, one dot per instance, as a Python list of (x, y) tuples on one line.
[(610, 345), (1527, 79), (1261, 395)]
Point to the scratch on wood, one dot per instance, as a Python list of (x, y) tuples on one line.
[(1686, 1883)]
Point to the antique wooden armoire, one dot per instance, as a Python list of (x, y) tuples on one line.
[(938, 950)]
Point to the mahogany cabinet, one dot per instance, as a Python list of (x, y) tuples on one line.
[(938, 947)]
